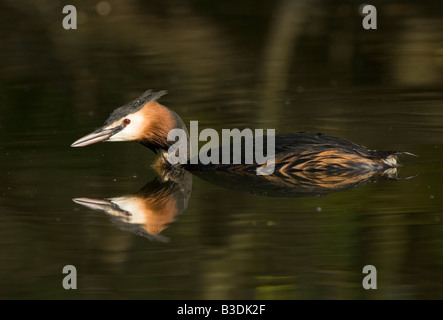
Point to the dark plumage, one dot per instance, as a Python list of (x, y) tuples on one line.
[(314, 152), (134, 105)]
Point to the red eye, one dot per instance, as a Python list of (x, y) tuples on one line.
[(126, 121)]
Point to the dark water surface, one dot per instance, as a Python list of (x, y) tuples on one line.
[(289, 66)]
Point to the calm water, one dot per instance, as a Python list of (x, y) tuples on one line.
[(291, 67)]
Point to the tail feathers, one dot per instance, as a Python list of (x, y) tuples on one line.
[(390, 158)]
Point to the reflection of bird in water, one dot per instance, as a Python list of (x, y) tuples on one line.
[(149, 211), (146, 121), (293, 184)]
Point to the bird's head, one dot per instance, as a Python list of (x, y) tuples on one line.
[(143, 120)]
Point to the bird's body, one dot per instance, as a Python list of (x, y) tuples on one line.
[(146, 121), (305, 151)]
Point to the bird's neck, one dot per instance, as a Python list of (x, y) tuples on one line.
[(163, 121)]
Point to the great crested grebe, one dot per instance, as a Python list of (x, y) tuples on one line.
[(148, 122)]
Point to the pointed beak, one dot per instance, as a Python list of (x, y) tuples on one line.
[(94, 204), (100, 205), (97, 136)]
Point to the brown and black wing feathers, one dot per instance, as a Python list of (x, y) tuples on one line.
[(314, 152)]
